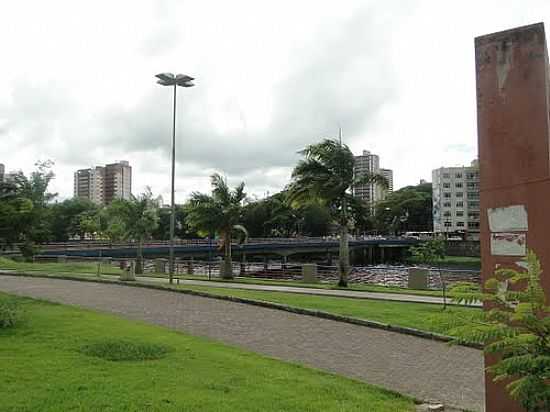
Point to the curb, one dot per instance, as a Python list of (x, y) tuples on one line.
[(270, 305)]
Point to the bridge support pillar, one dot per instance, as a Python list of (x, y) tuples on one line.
[(370, 253)]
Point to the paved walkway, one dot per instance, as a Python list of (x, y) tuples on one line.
[(422, 368)]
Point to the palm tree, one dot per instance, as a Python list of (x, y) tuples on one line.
[(139, 217), (327, 175), (218, 213)]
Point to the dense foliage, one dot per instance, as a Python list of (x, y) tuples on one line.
[(515, 328), (406, 209)]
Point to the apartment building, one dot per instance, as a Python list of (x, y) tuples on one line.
[(2, 172), (456, 199), (118, 181), (103, 184), (369, 163)]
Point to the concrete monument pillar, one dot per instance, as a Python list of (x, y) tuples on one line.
[(514, 158)]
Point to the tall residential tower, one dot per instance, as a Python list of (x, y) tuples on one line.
[(369, 163), (103, 184)]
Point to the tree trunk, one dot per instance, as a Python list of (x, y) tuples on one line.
[(343, 257), (139, 260), (227, 272)]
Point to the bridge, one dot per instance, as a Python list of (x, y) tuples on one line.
[(373, 250)]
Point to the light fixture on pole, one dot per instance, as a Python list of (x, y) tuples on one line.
[(169, 79)]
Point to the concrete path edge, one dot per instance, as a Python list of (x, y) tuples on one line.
[(261, 303)]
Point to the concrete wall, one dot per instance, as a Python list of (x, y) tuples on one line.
[(514, 155)]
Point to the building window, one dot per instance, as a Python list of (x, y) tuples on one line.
[(448, 224), (473, 225), (446, 185), (460, 224), (459, 204), (447, 214), (447, 195), (458, 175), (447, 204), (458, 184), (459, 213), (459, 194), (473, 195), (473, 215), (473, 205), (472, 185), (446, 175)]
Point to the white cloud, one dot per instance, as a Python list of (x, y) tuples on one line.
[(77, 86)]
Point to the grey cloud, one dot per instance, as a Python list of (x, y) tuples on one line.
[(341, 79)]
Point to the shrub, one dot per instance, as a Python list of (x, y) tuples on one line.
[(516, 328), (124, 350), (9, 313), (29, 250)]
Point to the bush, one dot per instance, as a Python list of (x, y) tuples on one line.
[(29, 250), (516, 328), (124, 350), (9, 313)]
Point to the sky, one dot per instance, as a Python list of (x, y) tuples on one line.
[(77, 85)]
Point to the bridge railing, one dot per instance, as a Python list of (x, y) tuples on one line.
[(102, 244), (384, 275)]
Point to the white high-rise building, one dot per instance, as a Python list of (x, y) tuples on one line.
[(456, 199), (89, 184), (369, 163)]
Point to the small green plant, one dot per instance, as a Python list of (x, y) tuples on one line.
[(29, 249), (10, 313), (432, 252), (516, 327), (124, 350)]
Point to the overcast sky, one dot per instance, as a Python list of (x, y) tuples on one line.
[(77, 85)]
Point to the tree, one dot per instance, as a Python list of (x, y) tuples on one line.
[(516, 328), (66, 218), (15, 213), (220, 213), (327, 175), (181, 229), (433, 252), (139, 215), (316, 219), (24, 215), (409, 207)]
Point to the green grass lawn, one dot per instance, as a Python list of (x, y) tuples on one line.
[(54, 267), (458, 262), (423, 316), (47, 365)]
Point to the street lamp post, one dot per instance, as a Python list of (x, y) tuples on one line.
[(169, 79)]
